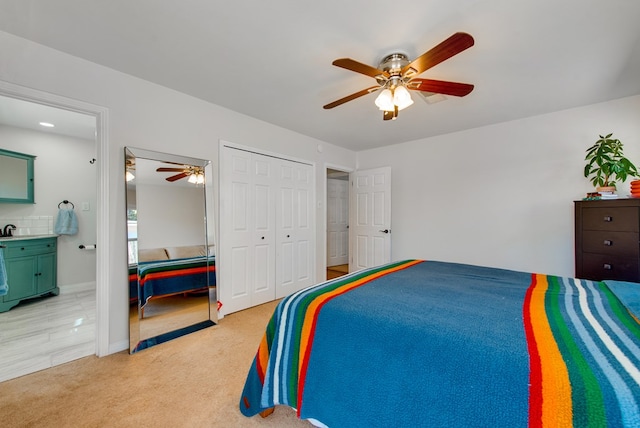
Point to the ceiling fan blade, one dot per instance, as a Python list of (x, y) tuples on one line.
[(440, 87), (351, 97), (169, 169), (177, 176), (445, 50), (359, 67)]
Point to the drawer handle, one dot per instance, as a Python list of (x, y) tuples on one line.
[(607, 266), (608, 243), (608, 218)]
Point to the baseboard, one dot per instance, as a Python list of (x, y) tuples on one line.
[(118, 347)]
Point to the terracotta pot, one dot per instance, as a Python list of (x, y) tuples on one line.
[(611, 189)]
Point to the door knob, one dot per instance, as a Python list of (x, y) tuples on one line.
[(384, 231)]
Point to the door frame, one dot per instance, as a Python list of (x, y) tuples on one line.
[(103, 276)]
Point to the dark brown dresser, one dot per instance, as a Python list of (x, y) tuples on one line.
[(608, 239)]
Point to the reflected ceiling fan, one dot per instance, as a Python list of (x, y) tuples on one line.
[(396, 76), (195, 173)]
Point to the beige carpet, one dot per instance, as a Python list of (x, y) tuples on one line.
[(192, 381)]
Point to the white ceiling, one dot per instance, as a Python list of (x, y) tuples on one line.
[(24, 114), (272, 59)]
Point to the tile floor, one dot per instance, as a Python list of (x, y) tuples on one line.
[(44, 332)]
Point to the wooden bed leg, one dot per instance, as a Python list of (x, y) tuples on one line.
[(267, 412)]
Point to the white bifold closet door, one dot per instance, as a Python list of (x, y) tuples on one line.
[(266, 228)]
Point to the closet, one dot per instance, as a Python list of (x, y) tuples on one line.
[(266, 228)]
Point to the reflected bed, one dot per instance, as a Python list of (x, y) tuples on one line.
[(420, 343), (167, 277)]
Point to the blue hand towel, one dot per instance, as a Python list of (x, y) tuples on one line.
[(4, 287), (66, 223)]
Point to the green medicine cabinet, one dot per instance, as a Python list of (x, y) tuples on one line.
[(16, 177)]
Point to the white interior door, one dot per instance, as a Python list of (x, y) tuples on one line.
[(337, 222), (294, 210), (247, 276), (264, 232), (370, 213), (266, 228)]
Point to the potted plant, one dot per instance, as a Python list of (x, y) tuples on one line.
[(606, 164)]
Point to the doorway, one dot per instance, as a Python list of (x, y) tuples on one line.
[(76, 284), (337, 257)]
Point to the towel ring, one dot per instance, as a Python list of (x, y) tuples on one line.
[(66, 202)]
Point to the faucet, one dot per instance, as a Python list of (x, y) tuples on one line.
[(7, 230)]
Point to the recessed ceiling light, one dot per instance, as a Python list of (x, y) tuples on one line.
[(47, 124)]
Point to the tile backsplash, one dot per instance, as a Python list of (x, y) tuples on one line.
[(32, 225)]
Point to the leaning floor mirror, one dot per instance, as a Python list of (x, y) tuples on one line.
[(171, 247)]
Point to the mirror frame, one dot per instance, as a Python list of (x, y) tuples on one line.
[(136, 342), (29, 197)]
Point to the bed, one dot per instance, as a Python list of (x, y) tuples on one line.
[(162, 278), (425, 343)]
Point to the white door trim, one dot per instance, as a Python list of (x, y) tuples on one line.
[(103, 276)]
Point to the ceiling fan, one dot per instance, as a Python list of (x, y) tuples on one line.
[(396, 76), (195, 173)]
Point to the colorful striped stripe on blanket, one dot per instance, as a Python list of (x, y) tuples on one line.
[(584, 355), (294, 322), (566, 349)]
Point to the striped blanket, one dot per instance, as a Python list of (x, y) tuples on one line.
[(166, 277), (417, 343)]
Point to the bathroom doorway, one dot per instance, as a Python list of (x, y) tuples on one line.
[(43, 332)]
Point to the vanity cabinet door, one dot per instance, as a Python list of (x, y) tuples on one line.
[(46, 272), (21, 272)]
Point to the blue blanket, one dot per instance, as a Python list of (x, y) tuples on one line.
[(440, 344)]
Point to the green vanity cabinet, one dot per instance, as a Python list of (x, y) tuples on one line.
[(31, 269)]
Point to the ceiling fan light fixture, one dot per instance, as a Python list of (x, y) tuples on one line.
[(192, 179), (402, 98), (384, 101), (129, 176)]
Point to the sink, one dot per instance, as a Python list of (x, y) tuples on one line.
[(23, 237)]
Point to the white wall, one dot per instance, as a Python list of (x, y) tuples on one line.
[(62, 171), (145, 115), (500, 195), (170, 216)]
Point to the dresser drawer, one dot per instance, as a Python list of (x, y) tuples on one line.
[(29, 247), (602, 266), (611, 218), (624, 244)]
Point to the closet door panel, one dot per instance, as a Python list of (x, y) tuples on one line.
[(237, 276), (263, 288), (294, 228), (270, 208), (239, 273)]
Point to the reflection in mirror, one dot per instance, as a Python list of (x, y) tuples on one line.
[(171, 247), (16, 177)]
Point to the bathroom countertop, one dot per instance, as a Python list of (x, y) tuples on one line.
[(26, 237)]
